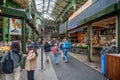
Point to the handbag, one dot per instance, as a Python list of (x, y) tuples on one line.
[(8, 66)]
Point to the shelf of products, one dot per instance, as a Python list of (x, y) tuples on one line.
[(77, 37)]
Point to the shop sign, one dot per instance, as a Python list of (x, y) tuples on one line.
[(72, 26), (15, 27)]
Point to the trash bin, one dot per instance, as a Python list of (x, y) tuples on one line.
[(103, 64)]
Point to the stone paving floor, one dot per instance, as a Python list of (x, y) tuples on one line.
[(95, 64), (75, 70)]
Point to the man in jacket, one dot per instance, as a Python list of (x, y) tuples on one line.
[(47, 50)]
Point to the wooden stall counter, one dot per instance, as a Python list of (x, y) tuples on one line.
[(113, 66)]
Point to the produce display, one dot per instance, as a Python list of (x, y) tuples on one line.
[(5, 49)]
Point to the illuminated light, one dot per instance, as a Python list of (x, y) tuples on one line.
[(0, 10)]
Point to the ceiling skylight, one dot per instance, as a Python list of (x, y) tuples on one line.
[(45, 8)]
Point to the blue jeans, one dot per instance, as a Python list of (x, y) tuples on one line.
[(66, 54), (56, 58)]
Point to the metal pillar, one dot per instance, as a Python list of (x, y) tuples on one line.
[(89, 43), (67, 30), (9, 38), (23, 36), (29, 32), (74, 5), (42, 46), (4, 29), (4, 25), (118, 31)]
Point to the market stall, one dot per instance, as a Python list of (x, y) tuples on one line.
[(77, 39), (103, 33)]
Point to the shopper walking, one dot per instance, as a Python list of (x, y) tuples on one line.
[(31, 43), (16, 56), (66, 47), (61, 48), (47, 50), (55, 50), (31, 61)]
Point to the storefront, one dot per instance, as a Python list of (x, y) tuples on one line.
[(104, 32), (78, 39), (101, 27)]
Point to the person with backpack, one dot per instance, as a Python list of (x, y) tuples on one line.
[(66, 47), (61, 48), (55, 50), (47, 50), (12, 61), (31, 61)]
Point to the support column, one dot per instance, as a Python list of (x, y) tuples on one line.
[(89, 43), (9, 38), (33, 35), (23, 36), (67, 30), (118, 31), (74, 6), (29, 32), (4, 25), (4, 29)]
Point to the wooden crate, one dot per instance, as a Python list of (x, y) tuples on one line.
[(113, 66)]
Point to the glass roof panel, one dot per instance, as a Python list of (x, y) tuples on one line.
[(48, 6)]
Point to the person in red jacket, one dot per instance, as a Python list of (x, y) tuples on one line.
[(55, 50)]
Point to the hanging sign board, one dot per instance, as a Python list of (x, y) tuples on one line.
[(15, 27)]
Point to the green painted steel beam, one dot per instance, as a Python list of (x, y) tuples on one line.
[(89, 43), (4, 25), (37, 15), (48, 5), (9, 38), (4, 29), (23, 36), (74, 6), (43, 5), (69, 5), (118, 30), (10, 12), (11, 3), (29, 32)]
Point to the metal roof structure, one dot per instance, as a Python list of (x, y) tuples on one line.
[(53, 9)]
